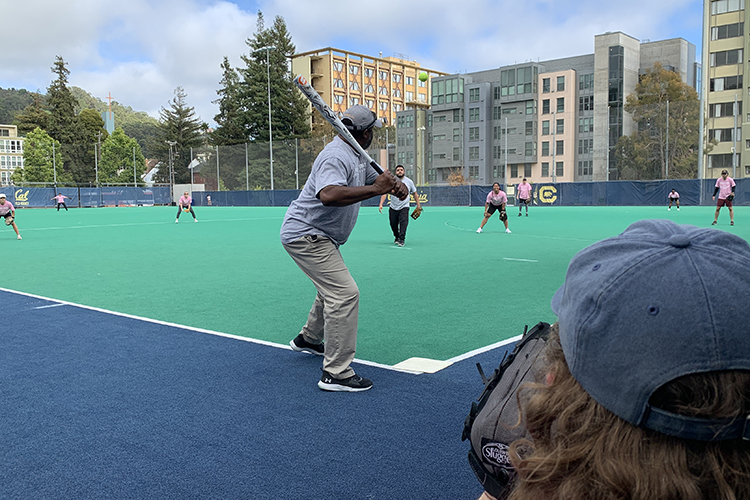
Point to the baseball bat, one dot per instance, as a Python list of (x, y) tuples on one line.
[(334, 120)]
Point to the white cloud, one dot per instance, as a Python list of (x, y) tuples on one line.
[(141, 50)]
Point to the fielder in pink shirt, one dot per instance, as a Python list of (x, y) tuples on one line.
[(186, 204), (725, 188), (523, 195), (61, 201), (674, 196), (8, 212), (496, 200)]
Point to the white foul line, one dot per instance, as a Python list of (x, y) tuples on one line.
[(47, 307), (520, 260)]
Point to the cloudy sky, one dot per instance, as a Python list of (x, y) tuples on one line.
[(141, 50)]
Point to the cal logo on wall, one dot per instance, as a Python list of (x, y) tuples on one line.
[(21, 198), (546, 194)]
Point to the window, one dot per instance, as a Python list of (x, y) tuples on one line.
[(545, 85), (383, 106), (585, 146), (724, 134), (545, 107), (585, 167), (545, 169), (438, 137), (456, 136), (338, 66), (409, 96), (524, 80), (529, 128), (725, 109), (383, 91), (560, 171), (473, 153), (410, 80), (353, 85), (527, 171), (396, 92), (585, 125), (530, 149), (353, 101), (456, 153), (726, 83), (396, 78), (498, 172), (369, 88), (338, 99), (473, 172), (458, 115), (338, 83), (727, 31), (586, 103), (545, 127), (509, 111), (508, 82), (721, 160), (4, 132), (473, 115), (530, 107), (369, 72), (497, 113), (561, 105), (726, 57), (353, 70), (560, 83), (473, 134), (383, 75), (560, 148), (439, 118), (586, 82), (545, 148), (473, 95), (560, 127), (722, 6), (514, 170)]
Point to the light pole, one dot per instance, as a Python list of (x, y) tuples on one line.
[(422, 156), (268, 77), (171, 169)]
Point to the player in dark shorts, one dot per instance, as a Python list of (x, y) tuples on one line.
[(673, 196), (496, 200)]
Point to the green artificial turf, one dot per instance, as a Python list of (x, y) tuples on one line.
[(447, 292)]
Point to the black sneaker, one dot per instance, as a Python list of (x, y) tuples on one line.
[(713, 223), (355, 383), (519, 214), (299, 344)]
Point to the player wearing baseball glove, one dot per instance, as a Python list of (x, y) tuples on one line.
[(8, 211)]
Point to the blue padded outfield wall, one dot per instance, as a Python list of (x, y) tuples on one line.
[(692, 192), (24, 197)]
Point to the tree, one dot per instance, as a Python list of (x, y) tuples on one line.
[(119, 155), (42, 158), (180, 126), (643, 154), (34, 115), (12, 102), (63, 124), (230, 128)]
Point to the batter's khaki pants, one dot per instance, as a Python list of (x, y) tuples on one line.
[(334, 314)]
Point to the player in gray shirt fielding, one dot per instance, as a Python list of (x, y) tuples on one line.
[(398, 214), (315, 225)]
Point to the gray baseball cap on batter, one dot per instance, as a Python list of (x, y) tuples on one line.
[(358, 118), (655, 303)]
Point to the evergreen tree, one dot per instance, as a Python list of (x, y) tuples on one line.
[(12, 102), (289, 108), (42, 159), (180, 126), (34, 115), (230, 129), (119, 152), (63, 124)]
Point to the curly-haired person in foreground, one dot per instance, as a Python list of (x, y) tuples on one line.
[(644, 395)]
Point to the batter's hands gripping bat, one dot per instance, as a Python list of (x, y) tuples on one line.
[(334, 120)]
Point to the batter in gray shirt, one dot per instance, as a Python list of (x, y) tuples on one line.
[(337, 165)]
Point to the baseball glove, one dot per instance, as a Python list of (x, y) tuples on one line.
[(9, 220), (416, 213), (730, 196)]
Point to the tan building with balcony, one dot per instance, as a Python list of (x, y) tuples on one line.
[(11, 152), (385, 85)]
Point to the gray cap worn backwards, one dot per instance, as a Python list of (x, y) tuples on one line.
[(359, 118), (655, 303)]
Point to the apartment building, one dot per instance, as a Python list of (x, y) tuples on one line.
[(548, 121), (725, 64), (11, 152), (385, 85)]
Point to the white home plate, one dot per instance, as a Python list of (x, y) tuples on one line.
[(423, 365)]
